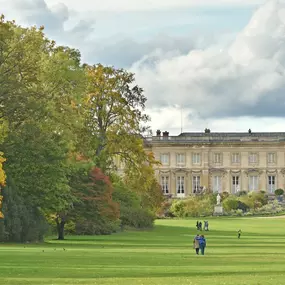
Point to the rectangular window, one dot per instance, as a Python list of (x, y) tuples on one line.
[(253, 183), (271, 157), (165, 184), (253, 158), (196, 158), (196, 184), (217, 184), (180, 186), (217, 157), (271, 184), (180, 159), (235, 158), (164, 159), (235, 184)]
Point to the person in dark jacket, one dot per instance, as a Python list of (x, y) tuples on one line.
[(202, 244), (200, 226)]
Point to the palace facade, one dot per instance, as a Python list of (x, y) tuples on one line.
[(231, 162)]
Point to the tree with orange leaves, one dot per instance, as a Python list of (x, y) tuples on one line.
[(95, 212), (2, 180)]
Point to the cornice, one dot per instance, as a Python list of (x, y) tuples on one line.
[(214, 144), (221, 170), (253, 170)]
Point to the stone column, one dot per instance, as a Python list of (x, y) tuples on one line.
[(262, 183), (190, 188), (244, 181), (228, 187), (205, 178), (280, 179), (186, 184)]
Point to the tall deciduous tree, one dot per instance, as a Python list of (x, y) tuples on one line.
[(114, 116), (40, 84), (115, 124)]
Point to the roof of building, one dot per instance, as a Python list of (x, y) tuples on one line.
[(202, 137), (233, 134)]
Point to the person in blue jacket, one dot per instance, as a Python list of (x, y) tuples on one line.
[(202, 244)]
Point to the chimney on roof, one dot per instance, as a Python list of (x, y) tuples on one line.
[(207, 131), (158, 133), (165, 134)]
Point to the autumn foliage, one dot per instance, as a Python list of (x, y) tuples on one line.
[(99, 192), (96, 207), (2, 180)]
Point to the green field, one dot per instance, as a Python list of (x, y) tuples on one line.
[(163, 255)]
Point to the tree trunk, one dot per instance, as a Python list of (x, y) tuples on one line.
[(60, 222)]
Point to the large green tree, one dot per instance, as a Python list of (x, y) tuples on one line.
[(114, 127), (40, 85)]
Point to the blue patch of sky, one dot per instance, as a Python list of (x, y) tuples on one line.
[(178, 22)]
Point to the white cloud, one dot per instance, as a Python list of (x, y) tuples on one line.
[(245, 79), (222, 87), (169, 119)]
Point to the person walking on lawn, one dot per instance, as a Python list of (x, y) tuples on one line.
[(202, 244), (196, 244)]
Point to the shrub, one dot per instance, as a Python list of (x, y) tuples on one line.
[(231, 203), (69, 227), (237, 212), (137, 218), (269, 209), (85, 226), (279, 192), (241, 193), (213, 198), (164, 210), (258, 198), (178, 208), (246, 203), (242, 206), (193, 207), (224, 195)]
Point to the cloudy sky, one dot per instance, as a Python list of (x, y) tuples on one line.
[(217, 64)]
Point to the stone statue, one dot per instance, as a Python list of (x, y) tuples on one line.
[(218, 199)]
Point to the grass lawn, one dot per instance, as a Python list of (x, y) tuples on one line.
[(163, 255)]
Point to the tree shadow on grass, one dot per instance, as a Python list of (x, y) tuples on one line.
[(168, 236)]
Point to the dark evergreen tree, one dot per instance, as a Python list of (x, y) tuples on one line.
[(22, 222)]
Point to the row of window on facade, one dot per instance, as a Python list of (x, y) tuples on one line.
[(253, 184), (217, 158)]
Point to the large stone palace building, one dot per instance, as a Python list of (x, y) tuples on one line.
[(218, 162)]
